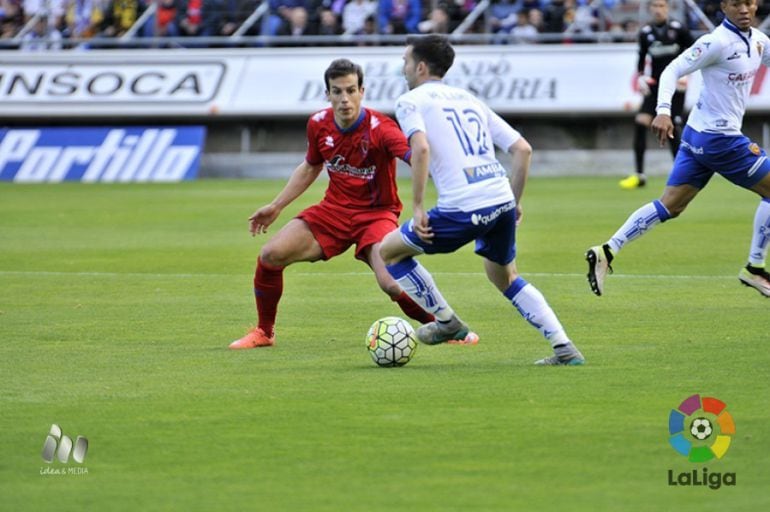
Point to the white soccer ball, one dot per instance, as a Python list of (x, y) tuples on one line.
[(701, 428), (391, 341)]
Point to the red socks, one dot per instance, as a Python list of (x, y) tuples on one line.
[(268, 288), (412, 309)]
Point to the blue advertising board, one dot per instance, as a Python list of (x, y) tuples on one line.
[(104, 154)]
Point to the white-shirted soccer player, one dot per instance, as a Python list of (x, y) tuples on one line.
[(728, 59), (453, 136)]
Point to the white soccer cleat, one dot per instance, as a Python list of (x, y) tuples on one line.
[(564, 355), (598, 259), (757, 278)]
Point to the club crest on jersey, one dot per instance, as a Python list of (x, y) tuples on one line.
[(759, 48), (364, 146), (694, 54), (754, 148)]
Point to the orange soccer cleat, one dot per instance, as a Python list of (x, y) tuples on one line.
[(470, 339), (254, 338)]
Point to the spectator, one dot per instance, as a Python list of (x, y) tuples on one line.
[(370, 29), (536, 19), (399, 16), (458, 10), (280, 13), (355, 13), (235, 13), (329, 24), (11, 18), (437, 22), (83, 18), (43, 37), (524, 31), (298, 23), (502, 17), (585, 20), (120, 16), (161, 24), (52, 8), (556, 16), (316, 8), (198, 18)]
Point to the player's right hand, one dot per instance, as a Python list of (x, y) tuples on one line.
[(663, 127), (421, 226), (643, 83), (262, 218)]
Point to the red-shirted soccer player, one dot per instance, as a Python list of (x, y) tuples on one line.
[(358, 147)]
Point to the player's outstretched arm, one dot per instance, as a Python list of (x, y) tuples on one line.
[(302, 177)]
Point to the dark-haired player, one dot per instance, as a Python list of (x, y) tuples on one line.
[(358, 148)]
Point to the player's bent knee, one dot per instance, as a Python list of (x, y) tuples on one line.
[(273, 257)]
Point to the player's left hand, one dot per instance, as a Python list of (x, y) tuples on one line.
[(519, 214)]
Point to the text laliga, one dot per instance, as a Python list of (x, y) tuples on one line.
[(704, 478)]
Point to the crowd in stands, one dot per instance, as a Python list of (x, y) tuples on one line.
[(44, 24)]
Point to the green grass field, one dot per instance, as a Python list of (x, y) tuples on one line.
[(117, 303)]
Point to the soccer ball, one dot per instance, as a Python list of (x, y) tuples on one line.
[(700, 428), (391, 341)]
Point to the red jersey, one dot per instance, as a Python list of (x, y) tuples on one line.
[(360, 160)]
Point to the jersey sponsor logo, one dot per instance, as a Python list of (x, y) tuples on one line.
[(100, 154), (693, 149), (338, 165), (741, 77), (484, 172), (329, 141), (477, 218)]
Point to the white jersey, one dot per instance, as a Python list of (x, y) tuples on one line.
[(728, 60), (462, 132)]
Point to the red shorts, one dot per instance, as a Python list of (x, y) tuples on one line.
[(336, 229)]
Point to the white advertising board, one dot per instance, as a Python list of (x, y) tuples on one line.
[(558, 80)]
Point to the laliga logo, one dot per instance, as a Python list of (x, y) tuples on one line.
[(710, 416), (701, 429)]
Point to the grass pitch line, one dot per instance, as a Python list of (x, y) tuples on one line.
[(43, 273)]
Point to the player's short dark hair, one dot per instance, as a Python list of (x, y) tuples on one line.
[(435, 51), (343, 67)]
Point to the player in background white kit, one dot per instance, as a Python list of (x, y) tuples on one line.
[(453, 136), (728, 59)]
